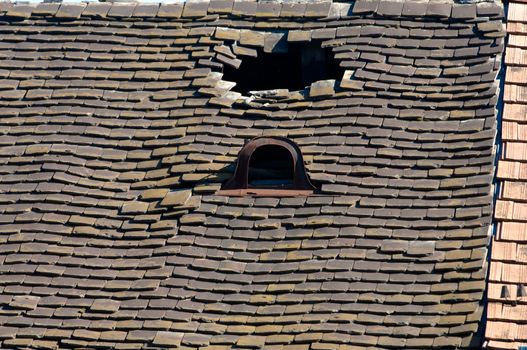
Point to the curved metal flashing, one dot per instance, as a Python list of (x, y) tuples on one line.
[(241, 174)]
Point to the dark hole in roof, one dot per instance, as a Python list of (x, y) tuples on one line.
[(298, 67), (271, 166)]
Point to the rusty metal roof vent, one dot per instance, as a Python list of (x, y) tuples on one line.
[(269, 166)]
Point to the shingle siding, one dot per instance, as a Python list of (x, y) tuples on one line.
[(507, 293)]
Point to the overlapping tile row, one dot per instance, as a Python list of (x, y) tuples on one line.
[(507, 292), (117, 130)]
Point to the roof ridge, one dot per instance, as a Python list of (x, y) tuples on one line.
[(265, 9)]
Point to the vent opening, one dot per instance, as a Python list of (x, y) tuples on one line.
[(271, 166), (293, 68)]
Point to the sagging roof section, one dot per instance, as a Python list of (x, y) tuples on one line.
[(507, 293), (117, 130)]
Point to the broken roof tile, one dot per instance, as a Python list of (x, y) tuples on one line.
[(317, 9), (121, 11), (170, 10), (439, 9), (70, 11), (195, 8)]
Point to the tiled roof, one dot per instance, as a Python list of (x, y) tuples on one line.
[(507, 291), (117, 131)]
